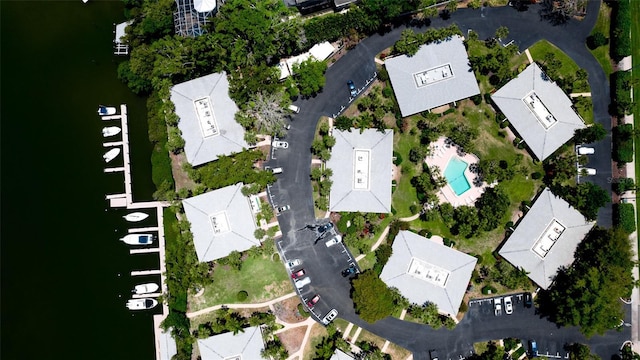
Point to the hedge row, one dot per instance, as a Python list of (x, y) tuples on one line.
[(625, 217), (623, 143), (621, 30), (622, 103)]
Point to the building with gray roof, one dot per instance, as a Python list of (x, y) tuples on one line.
[(539, 111), (221, 221), (244, 345), (426, 271), (438, 74), (546, 238), (207, 118), (361, 164), (340, 355)]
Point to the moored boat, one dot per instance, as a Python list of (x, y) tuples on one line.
[(136, 216), (111, 154), (138, 239), (106, 110), (145, 288), (141, 304), (110, 131)]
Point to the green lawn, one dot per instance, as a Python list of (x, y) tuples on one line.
[(635, 45), (539, 49), (602, 25), (405, 194), (262, 277)]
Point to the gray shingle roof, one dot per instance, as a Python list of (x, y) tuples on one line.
[(343, 196), (459, 265), (542, 142), (340, 355), (247, 344), (518, 248), (198, 149), (460, 84), (230, 201)]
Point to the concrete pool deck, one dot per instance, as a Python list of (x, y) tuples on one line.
[(441, 154)]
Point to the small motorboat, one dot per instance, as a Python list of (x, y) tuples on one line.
[(106, 110), (136, 216), (111, 154), (110, 131), (138, 239), (145, 288), (141, 304)]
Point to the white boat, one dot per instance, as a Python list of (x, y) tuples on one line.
[(145, 288), (138, 239), (111, 154), (136, 216), (106, 110), (110, 131), (141, 304)]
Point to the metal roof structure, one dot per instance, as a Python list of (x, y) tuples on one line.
[(207, 118), (539, 110), (362, 166), (546, 238), (245, 345), (191, 16), (221, 222), (340, 355), (438, 74), (166, 345), (426, 271)]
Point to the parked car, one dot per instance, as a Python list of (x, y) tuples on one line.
[(294, 108), (276, 170), (300, 283), (325, 227), (533, 348), (433, 354), (330, 316), (280, 144), (298, 274), (334, 240), (311, 303), (528, 300), (587, 171), (352, 88), (293, 263), (281, 209), (498, 306), (350, 271), (508, 305), (584, 150)]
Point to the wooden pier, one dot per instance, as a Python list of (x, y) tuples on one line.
[(125, 200)]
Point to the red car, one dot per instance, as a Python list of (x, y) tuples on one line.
[(311, 303), (297, 274)]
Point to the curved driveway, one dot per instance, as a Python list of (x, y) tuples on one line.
[(323, 264)]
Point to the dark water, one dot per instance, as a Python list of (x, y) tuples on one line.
[(65, 276)]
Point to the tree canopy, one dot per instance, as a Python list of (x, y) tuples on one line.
[(310, 76), (372, 299)]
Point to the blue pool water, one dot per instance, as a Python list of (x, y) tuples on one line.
[(454, 173)]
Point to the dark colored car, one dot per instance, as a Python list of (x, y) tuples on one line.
[(433, 354), (533, 348), (325, 227), (350, 271), (297, 274), (528, 301), (352, 88), (311, 303)]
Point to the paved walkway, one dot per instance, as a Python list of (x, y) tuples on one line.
[(526, 52), (240, 306), (575, 95)]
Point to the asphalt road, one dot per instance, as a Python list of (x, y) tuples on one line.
[(323, 264)]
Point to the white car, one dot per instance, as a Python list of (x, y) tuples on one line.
[(508, 305), (335, 240), (330, 316), (281, 209), (280, 144), (583, 150), (293, 263), (302, 282), (498, 306), (587, 171)]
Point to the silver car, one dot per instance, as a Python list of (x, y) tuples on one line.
[(302, 282)]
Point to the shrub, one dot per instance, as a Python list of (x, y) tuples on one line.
[(623, 143), (624, 217), (302, 311), (383, 75), (596, 40), (504, 124), (623, 184), (621, 30), (387, 92), (477, 99), (488, 290), (414, 208), (242, 295), (449, 111), (398, 158)]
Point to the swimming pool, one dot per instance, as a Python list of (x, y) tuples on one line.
[(454, 173)]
